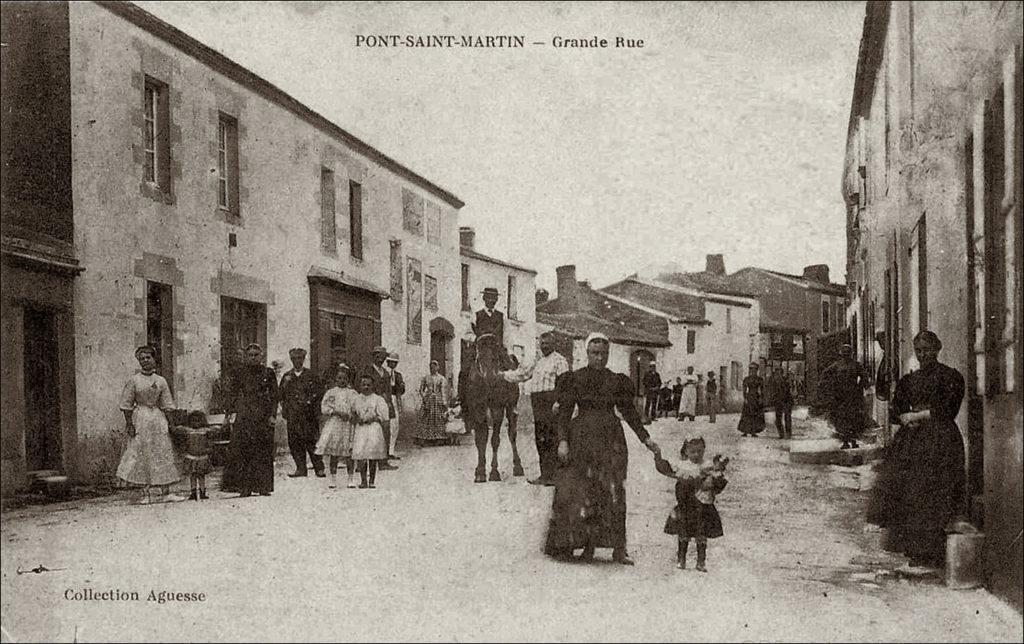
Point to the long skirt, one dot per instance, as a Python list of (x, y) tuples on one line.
[(589, 504), (920, 489), (848, 421), (148, 457), (688, 403), (751, 419), (250, 465), (433, 419)]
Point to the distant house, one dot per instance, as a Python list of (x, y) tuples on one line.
[(793, 312), (638, 338), (707, 330)]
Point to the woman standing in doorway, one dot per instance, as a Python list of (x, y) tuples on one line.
[(434, 414), (922, 484), (589, 506), (752, 418), (148, 458)]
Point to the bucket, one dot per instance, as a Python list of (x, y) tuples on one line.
[(965, 560)]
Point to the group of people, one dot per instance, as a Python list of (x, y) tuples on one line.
[(690, 396), (759, 395)]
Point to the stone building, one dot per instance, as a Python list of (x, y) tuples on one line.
[(932, 185), (156, 192)]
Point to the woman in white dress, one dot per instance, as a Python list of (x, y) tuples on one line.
[(336, 434), (148, 457), (688, 401), (369, 412)]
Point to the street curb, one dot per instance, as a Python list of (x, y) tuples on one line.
[(827, 451)]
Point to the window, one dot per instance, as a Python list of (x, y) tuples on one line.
[(355, 219), (728, 319), (415, 302), (825, 315), (465, 288), (156, 135), (227, 164), (328, 221), (433, 214), (512, 297), (737, 375), (336, 329), (412, 212), (837, 315), (430, 292), (691, 341)]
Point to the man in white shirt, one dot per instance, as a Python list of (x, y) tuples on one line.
[(542, 376)]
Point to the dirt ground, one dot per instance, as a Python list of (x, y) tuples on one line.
[(429, 555)]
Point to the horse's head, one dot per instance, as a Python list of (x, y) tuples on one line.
[(490, 356)]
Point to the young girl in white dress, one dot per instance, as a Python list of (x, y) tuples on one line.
[(148, 457), (336, 434), (368, 446)]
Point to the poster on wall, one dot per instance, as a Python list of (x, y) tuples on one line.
[(430, 293), (415, 302), (396, 270)]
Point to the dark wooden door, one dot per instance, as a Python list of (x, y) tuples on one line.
[(42, 402), (439, 351)]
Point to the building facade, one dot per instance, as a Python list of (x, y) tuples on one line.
[(932, 185), (211, 210)]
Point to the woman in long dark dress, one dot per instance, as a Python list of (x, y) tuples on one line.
[(922, 484), (752, 417), (253, 400), (589, 507)]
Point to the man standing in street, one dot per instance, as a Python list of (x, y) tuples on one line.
[(711, 391), (300, 394), (782, 399), (382, 387), (397, 391), (488, 319), (542, 399), (844, 382), (652, 387)]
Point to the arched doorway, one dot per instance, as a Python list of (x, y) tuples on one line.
[(441, 334)]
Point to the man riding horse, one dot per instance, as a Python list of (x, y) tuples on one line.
[(483, 390)]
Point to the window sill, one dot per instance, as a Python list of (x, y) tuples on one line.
[(229, 217), (156, 193)]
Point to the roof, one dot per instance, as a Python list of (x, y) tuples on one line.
[(707, 282), (326, 274), (224, 65), (869, 58), (580, 325), (622, 323), (469, 252), (688, 308), (767, 323), (831, 287)]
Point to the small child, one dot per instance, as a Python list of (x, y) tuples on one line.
[(695, 516), (336, 434), (369, 411), (197, 455)]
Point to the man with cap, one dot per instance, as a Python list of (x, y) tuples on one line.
[(300, 393), (397, 391), (382, 387), (488, 319), (843, 383)]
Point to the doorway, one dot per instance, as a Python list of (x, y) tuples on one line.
[(442, 332), (42, 401), (160, 327)]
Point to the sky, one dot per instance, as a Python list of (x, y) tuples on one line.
[(725, 133)]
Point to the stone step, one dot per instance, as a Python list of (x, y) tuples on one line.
[(826, 451)]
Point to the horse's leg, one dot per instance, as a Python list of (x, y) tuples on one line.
[(513, 422), (479, 430), (497, 416)]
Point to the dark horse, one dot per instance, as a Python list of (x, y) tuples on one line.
[(485, 391)]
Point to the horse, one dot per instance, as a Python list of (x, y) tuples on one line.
[(484, 392)]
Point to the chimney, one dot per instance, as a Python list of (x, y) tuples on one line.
[(568, 288), (467, 237), (817, 273), (715, 264), (541, 296)]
